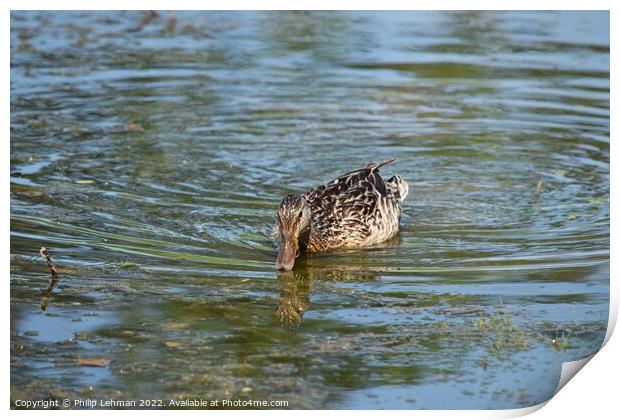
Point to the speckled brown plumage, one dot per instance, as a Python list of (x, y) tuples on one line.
[(357, 209)]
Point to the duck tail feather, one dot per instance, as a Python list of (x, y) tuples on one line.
[(378, 165)]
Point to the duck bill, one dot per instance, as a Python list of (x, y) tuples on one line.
[(286, 254)]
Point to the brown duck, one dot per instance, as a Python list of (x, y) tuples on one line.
[(358, 209)]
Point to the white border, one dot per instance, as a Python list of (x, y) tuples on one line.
[(593, 394)]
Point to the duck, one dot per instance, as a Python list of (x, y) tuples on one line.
[(355, 210)]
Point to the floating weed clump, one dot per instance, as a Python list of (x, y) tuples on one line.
[(561, 342), (502, 332)]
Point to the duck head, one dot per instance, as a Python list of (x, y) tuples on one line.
[(294, 218)]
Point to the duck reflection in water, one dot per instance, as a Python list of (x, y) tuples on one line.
[(294, 298), (296, 287)]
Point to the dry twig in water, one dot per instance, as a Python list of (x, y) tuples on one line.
[(538, 187), (48, 261), (48, 292)]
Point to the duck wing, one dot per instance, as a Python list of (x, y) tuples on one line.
[(367, 177), (343, 207)]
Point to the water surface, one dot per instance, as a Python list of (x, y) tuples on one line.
[(149, 154)]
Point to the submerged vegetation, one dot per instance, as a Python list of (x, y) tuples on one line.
[(504, 333)]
